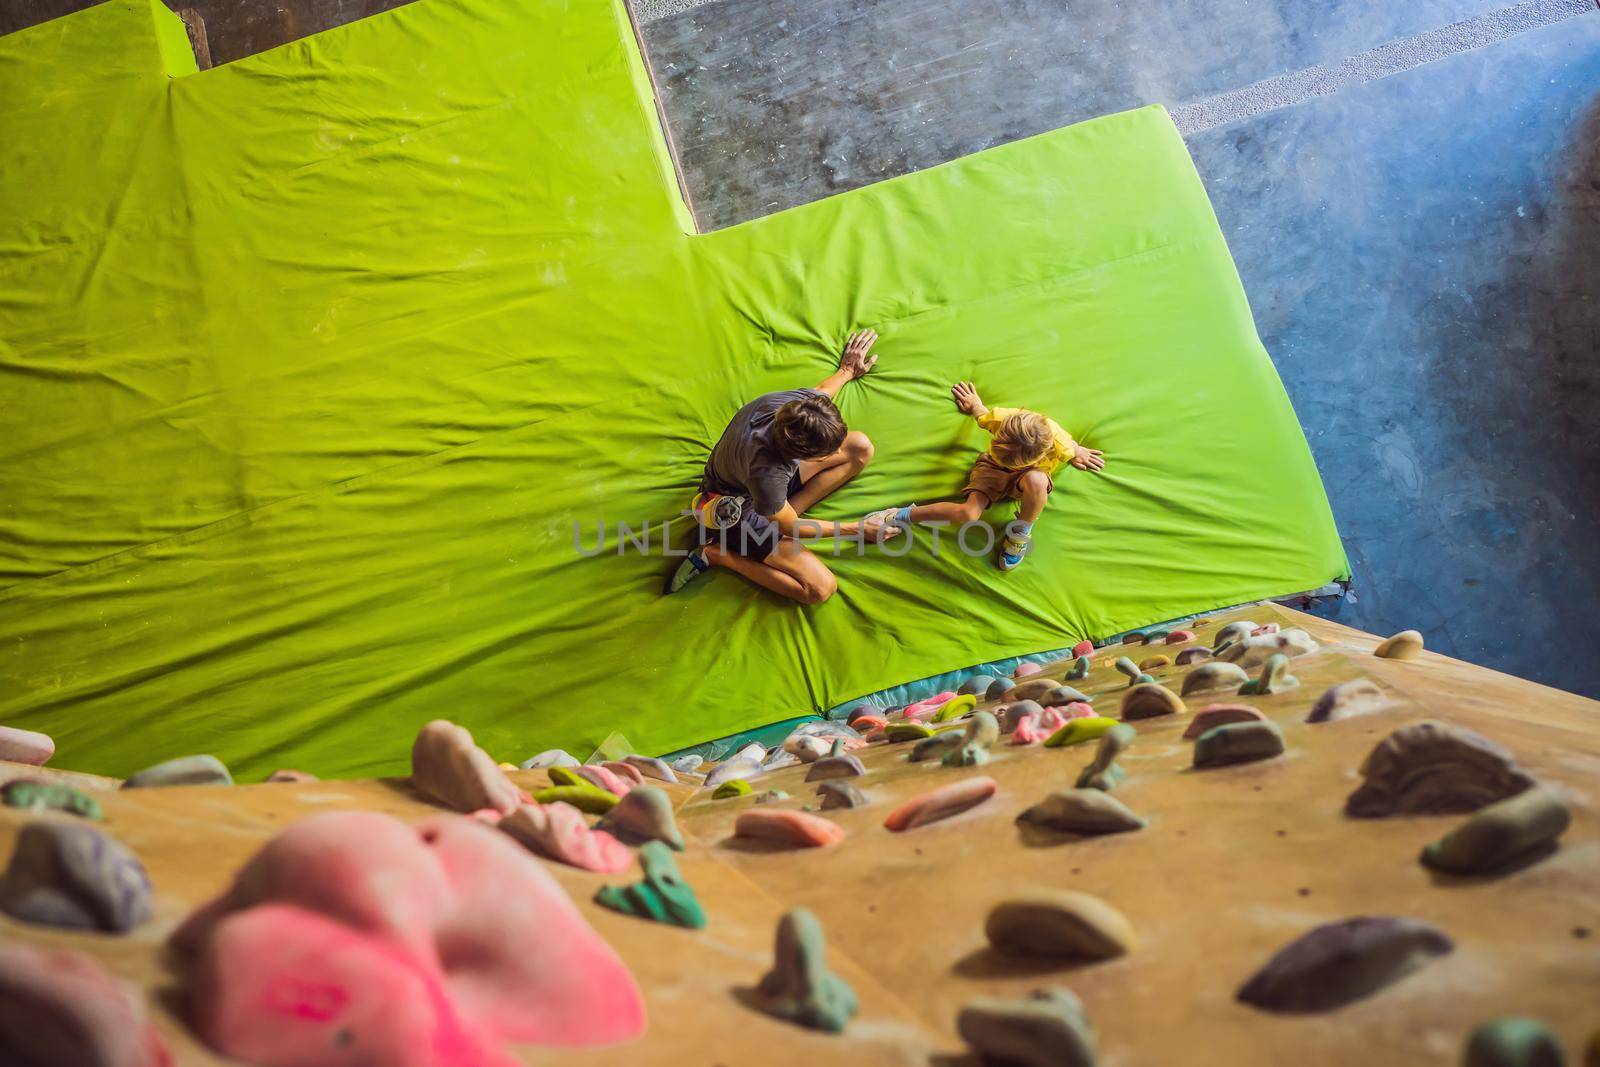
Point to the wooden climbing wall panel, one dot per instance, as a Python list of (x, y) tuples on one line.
[(1235, 863)]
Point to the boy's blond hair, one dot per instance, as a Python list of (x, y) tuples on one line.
[(1022, 439)]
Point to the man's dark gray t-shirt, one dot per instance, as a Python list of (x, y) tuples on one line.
[(745, 463)]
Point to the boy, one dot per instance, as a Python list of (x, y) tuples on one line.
[(1025, 449)]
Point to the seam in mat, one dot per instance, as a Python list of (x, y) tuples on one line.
[(240, 519)]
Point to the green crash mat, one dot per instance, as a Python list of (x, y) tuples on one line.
[(310, 363)]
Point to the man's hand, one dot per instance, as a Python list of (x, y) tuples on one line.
[(1089, 459), (856, 360), (966, 397), (875, 527)]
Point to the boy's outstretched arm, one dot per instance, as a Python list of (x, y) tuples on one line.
[(855, 362), (965, 394)]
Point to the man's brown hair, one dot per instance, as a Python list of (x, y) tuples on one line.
[(808, 428), (1023, 439)]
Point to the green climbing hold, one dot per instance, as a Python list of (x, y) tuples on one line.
[(1104, 772), (955, 707), (1077, 731), (586, 797), (1080, 670), (663, 896), (33, 795), (800, 988), (733, 787), (1513, 1042), (907, 731)]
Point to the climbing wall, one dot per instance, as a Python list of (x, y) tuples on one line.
[(1232, 863)]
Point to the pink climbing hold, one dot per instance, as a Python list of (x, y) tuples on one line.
[(26, 746), (1213, 715), (627, 772), (1083, 648), (1041, 724), (788, 828), (923, 710), (351, 938), (1178, 637), (941, 803), (558, 832), (1025, 670), (605, 779), (63, 1008), (1028, 731)]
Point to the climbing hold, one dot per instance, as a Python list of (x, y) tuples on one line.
[(1234, 631), (999, 689), (645, 814), (290, 776), (955, 707), (734, 768), (808, 747), (1513, 1043), (1275, 678), (800, 988), (733, 787), (1030, 729), (941, 803), (625, 772), (935, 747), (1103, 772), (551, 757), (788, 828), (1212, 677), (1079, 730), (1129, 668), (1238, 742), (651, 767), (73, 876), (924, 709), (1178, 637), (1254, 651), (976, 684), (1407, 644), (1342, 962), (839, 793), (1082, 811), (448, 768), (1062, 694), (1133, 637), (1025, 670), (558, 832), (592, 776), (584, 797), (755, 750), (1080, 669), (1348, 700), (1501, 833), (1032, 689), (26, 746), (1082, 648), (186, 770), (1149, 700), (689, 764), (907, 731), (1213, 715), (1046, 1029), (662, 896), (973, 748), (1151, 663), (868, 723), (32, 795), (1433, 768), (1059, 924), (846, 766), (771, 796), (859, 710), (63, 1009), (1015, 713), (1198, 654)]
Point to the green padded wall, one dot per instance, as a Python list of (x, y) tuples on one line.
[(309, 363)]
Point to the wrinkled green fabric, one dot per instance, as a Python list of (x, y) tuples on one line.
[(310, 362)]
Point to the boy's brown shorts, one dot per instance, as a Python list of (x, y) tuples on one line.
[(996, 482)]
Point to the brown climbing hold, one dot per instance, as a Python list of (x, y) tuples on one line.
[(1151, 663), (935, 747), (1082, 811), (1059, 924), (839, 793), (645, 814), (1198, 654), (64, 1009), (973, 746), (1212, 677), (1032, 689), (1215, 715), (1238, 742), (941, 803), (1046, 1029), (286, 774), (1062, 695), (1433, 768), (845, 766), (1342, 962), (1148, 700), (1348, 700), (1407, 644), (75, 877), (1500, 834), (447, 767)]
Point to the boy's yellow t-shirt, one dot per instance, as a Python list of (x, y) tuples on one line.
[(1062, 449)]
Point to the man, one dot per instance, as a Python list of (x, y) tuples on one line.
[(781, 454)]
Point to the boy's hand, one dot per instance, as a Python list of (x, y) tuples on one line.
[(1088, 459), (856, 361), (966, 397)]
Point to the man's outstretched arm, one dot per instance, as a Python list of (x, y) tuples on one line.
[(855, 362)]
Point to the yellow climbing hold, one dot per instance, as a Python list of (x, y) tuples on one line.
[(733, 787), (1153, 662), (585, 797), (955, 707), (1077, 731)]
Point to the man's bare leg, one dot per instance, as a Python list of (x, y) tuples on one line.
[(790, 570), (823, 476)]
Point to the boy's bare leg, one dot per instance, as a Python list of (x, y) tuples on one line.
[(1035, 489), (823, 476), (969, 510), (790, 570)]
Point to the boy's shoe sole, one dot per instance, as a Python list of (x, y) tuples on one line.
[(1000, 560)]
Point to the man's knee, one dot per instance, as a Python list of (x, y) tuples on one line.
[(857, 448), (815, 588), (1035, 483)]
